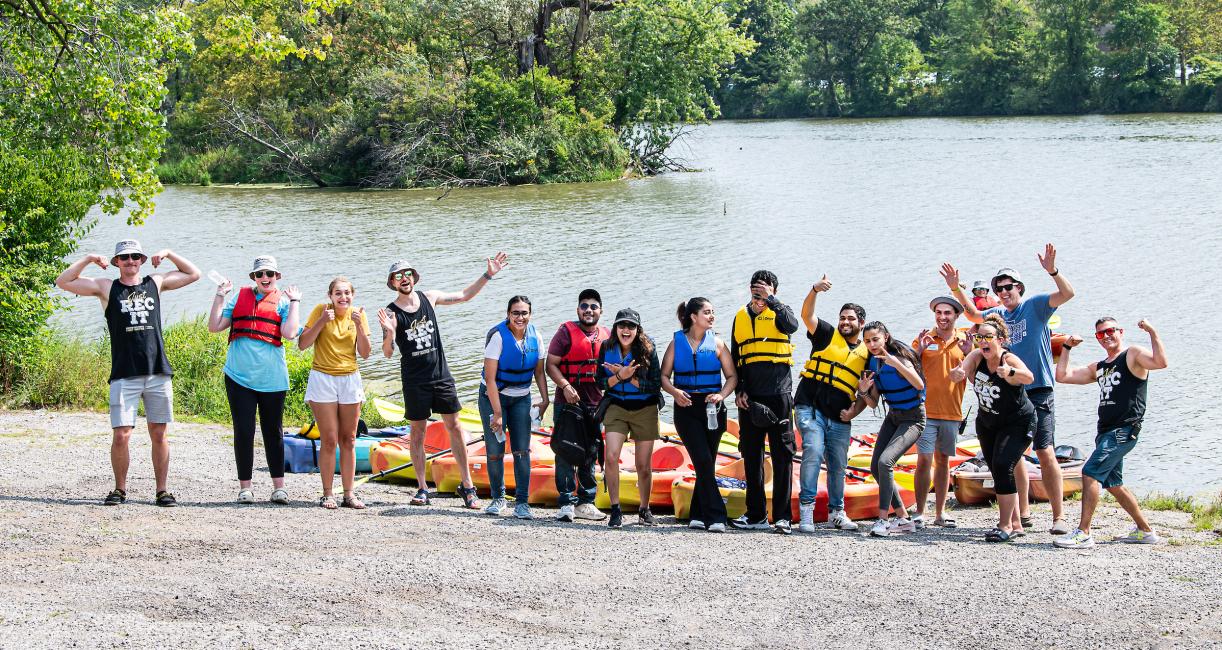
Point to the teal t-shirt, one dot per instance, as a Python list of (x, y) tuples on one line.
[(257, 365)]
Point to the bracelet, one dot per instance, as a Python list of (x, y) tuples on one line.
[(1055, 272), (486, 276), (294, 300)]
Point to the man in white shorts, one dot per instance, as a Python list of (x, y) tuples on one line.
[(139, 368)]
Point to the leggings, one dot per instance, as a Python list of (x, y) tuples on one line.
[(900, 430), (691, 422), (242, 404), (1002, 444)]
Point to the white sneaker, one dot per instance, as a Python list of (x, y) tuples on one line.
[(695, 524), (279, 495), (1139, 536), (246, 496), (841, 521), (1077, 539), (806, 517), (880, 529), (566, 513), (717, 528), (588, 511), (919, 521), (902, 526)]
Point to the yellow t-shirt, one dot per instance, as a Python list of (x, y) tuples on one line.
[(335, 347)]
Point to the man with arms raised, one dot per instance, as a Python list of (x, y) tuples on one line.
[(1031, 341), (1122, 378), (428, 386), (139, 368)]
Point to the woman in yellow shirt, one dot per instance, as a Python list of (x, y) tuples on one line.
[(334, 391)]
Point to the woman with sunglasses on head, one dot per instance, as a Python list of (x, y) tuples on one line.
[(338, 333), (258, 318), (693, 369), (894, 374), (1005, 421), (631, 378), (513, 358)]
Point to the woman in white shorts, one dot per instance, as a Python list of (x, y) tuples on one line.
[(334, 391)]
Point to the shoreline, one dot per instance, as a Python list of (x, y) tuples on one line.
[(211, 572)]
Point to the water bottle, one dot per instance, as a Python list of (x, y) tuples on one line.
[(710, 411), (216, 277)]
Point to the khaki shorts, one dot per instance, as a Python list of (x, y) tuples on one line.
[(157, 391), (641, 424)]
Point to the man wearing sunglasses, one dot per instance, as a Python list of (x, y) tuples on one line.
[(572, 362), (1031, 340), (139, 369), (428, 386), (1122, 378)]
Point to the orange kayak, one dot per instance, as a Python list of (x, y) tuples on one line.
[(396, 451), (670, 463), (447, 476)]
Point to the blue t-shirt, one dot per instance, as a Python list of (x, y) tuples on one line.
[(1030, 336), (257, 365)]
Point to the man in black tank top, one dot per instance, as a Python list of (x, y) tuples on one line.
[(428, 387), (1121, 378), (139, 369)]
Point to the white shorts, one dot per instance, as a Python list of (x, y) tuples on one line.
[(157, 391), (330, 389)]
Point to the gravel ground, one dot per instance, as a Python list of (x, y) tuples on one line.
[(213, 573)]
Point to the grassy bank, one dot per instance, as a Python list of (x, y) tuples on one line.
[(69, 373)]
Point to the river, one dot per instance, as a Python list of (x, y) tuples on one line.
[(1132, 203)]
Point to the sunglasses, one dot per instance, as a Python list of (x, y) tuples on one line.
[(589, 306), (402, 274), (984, 337), (1004, 287), (1111, 331), (129, 256), (519, 314), (627, 326), (263, 274)]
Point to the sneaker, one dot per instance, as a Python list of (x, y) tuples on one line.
[(115, 497), (841, 521), (880, 529), (522, 510), (166, 500), (645, 518), (742, 524), (421, 498), (566, 513), (279, 495), (617, 518), (495, 506), (717, 528), (1078, 539), (782, 527), (806, 517), (696, 524), (902, 526), (1059, 527), (588, 511), (919, 521), (469, 498), (246, 496), (1139, 536)]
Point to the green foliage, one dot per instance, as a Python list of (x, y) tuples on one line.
[(1176, 501), (1208, 516), (1139, 65)]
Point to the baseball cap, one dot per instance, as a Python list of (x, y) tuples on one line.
[(628, 316)]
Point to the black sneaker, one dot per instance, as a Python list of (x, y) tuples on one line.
[(115, 497), (166, 500), (617, 518), (742, 524), (646, 518), (782, 527)]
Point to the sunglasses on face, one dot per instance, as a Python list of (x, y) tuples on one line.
[(402, 274), (263, 274), (626, 326), (984, 337), (589, 306), (129, 256), (1004, 287), (1111, 331), (519, 314)]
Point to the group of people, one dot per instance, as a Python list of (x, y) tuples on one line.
[(609, 386)]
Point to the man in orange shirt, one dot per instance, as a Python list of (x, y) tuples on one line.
[(941, 349)]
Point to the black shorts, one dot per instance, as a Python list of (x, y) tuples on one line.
[(423, 400)]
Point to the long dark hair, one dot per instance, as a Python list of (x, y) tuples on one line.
[(687, 309), (895, 347)]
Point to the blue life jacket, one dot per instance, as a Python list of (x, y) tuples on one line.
[(699, 371), (624, 390), (516, 367), (894, 388)]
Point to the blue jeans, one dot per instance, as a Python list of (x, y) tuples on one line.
[(515, 419), (823, 439)]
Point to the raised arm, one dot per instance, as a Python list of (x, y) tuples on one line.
[(363, 346), (1066, 374), (1064, 290), (951, 275), (72, 282), (1155, 358), (289, 329), (907, 371), (808, 305), (185, 274), (312, 330), (216, 319), (387, 321), (495, 265), (1010, 362), (959, 372)]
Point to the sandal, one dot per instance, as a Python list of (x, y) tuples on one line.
[(327, 502), (352, 501), (115, 497), (166, 500), (997, 535), (945, 522), (1027, 522), (469, 498), (421, 498)]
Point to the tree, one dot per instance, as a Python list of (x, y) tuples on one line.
[(986, 55), (1140, 59), (1070, 44), (1197, 29), (745, 88)]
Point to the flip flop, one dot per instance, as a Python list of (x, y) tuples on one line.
[(945, 522)]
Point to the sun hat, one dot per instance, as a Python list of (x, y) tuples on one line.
[(947, 300), (1007, 272), (402, 265), (980, 284), (264, 263), (627, 316), (127, 246)]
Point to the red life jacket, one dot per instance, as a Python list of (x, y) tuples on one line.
[(259, 321), (580, 363)]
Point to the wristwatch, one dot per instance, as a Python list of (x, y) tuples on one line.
[(1011, 373)]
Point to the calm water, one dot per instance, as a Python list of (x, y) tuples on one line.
[(1132, 203)]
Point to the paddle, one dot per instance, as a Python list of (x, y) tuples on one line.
[(679, 441), (365, 479)]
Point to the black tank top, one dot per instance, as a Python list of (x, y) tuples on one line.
[(422, 360), (999, 400), (133, 318), (1122, 396)]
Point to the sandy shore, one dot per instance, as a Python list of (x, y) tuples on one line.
[(211, 573)]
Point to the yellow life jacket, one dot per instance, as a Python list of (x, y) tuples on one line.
[(759, 339), (837, 364)]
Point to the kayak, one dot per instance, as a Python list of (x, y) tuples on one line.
[(395, 452), (670, 463), (1071, 479), (447, 476), (975, 487)]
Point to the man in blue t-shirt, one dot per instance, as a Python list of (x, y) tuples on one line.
[(1031, 340)]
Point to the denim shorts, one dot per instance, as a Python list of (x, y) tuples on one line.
[(1044, 400), (1106, 463)]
